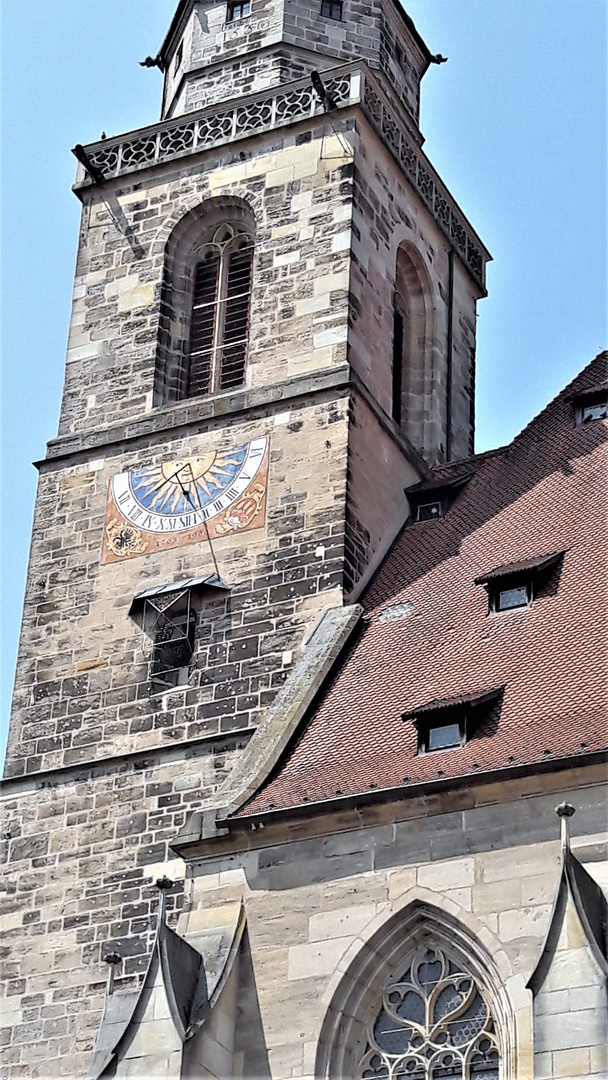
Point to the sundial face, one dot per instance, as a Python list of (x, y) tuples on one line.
[(176, 502)]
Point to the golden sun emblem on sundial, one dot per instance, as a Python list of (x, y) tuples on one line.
[(173, 487)]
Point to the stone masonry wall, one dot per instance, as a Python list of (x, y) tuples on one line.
[(82, 683), (377, 507), (296, 184), (372, 31), (388, 214), (315, 891), (85, 850)]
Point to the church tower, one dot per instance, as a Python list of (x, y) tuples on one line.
[(272, 338)]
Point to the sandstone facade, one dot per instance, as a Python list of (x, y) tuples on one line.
[(110, 786)]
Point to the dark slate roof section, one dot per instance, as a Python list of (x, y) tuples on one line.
[(211, 581), (184, 979), (545, 492), (592, 910)]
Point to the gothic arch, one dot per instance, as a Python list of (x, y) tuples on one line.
[(194, 228), (413, 374), (357, 998)]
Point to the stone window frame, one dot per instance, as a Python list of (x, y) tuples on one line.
[(433, 1016), (235, 10), (191, 233), (329, 6), (358, 991)]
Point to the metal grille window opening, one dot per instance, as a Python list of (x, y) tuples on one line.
[(169, 623), (237, 10), (219, 328), (332, 9)]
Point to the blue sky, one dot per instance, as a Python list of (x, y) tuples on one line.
[(514, 122)]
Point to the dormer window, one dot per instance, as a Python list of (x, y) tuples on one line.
[(332, 9), (430, 501), (449, 723), (237, 9), (515, 585), (591, 405)]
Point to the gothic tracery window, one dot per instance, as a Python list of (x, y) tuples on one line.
[(219, 324), (434, 1023)]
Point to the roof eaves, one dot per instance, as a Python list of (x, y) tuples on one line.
[(183, 10), (340, 803)]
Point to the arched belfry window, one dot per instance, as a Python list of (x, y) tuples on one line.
[(433, 1022), (206, 301), (219, 323)]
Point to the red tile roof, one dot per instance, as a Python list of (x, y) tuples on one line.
[(545, 492)]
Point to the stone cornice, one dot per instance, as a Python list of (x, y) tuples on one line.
[(136, 760), (221, 125), (198, 413), (201, 413)]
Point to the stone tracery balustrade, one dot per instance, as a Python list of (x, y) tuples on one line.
[(287, 104)]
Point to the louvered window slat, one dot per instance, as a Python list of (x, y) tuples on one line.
[(220, 322)]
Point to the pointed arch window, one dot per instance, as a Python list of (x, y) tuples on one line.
[(434, 1021), (219, 325)]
